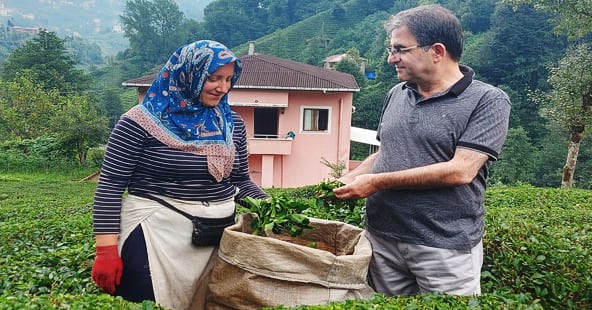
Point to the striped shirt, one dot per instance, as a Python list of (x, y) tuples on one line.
[(138, 162)]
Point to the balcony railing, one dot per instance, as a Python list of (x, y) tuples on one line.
[(270, 145)]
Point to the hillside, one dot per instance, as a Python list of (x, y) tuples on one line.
[(318, 31), (93, 20)]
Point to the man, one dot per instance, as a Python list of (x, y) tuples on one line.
[(439, 132)]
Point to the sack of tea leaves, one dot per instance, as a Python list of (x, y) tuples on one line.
[(325, 264)]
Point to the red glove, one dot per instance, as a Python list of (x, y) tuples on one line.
[(106, 271)]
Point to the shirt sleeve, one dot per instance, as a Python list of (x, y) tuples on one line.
[(124, 148), (488, 125)]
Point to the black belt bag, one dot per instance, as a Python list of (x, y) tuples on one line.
[(206, 231)]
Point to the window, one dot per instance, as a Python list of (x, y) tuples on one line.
[(266, 123), (315, 119)]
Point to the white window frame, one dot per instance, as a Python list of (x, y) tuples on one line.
[(302, 119)]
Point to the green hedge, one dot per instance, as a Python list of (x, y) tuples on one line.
[(537, 249)]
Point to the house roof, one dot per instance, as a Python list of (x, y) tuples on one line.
[(269, 72)]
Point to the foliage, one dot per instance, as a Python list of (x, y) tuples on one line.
[(85, 54), (277, 214), (369, 106), (112, 107), (9, 41), (568, 102), (95, 156), (323, 204), (501, 300), (537, 249), (28, 112), (518, 39), (25, 109), (571, 17), (254, 19), (46, 245), (337, 169), (473, 14), (46, 61), (517, 161), (154, 30), (327, 206), (352, 64), (539, 243), (321, 29), (80, 126), (551, 154), (45, 153), (527, 114)]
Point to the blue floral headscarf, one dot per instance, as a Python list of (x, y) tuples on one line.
[(172, 112)]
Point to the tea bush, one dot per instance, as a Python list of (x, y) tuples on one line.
[(539, 242), (537, 249)]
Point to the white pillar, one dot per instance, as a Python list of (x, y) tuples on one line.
[(267, 171)]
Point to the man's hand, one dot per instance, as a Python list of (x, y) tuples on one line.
[(361, 186)]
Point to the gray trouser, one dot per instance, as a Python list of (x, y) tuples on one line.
[(399, 268)]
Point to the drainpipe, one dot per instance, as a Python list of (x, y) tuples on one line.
[(340, 131)]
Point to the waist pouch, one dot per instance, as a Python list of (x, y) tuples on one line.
[(206, 231)]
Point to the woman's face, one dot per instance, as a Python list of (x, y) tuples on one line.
[(217, 85)]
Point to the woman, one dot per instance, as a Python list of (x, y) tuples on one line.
[(182, 144)]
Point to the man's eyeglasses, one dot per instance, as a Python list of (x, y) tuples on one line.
[(397, 50)]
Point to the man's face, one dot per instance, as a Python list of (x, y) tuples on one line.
[(409, 58)]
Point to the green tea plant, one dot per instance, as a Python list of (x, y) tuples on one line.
[(539, 241), (350, 211), (537, 247), (278, 214), (47, 246)]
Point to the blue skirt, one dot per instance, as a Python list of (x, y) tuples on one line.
[(136, 283)]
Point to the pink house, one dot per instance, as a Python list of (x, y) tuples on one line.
[(297, 116)]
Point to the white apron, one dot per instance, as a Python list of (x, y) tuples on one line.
[(177, 267)]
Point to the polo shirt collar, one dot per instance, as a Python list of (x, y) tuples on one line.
[(459, 86)]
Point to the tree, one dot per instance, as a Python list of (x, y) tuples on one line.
[(85, 53), (113, 108), (518, 47), (79, 125), (25, 109), (353, 64), (232, 22), (473, 14), (29, 112), (517, 161), (47, 62), (574, 19), (153, 28), (570, 101), (570, 17), (551, 156)]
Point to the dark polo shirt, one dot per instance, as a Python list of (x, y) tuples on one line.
[(416, 132)]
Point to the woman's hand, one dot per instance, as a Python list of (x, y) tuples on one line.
[(107, 268)]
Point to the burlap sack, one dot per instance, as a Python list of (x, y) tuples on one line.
[(254, 272)]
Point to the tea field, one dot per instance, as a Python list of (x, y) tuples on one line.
[(537, 249)]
